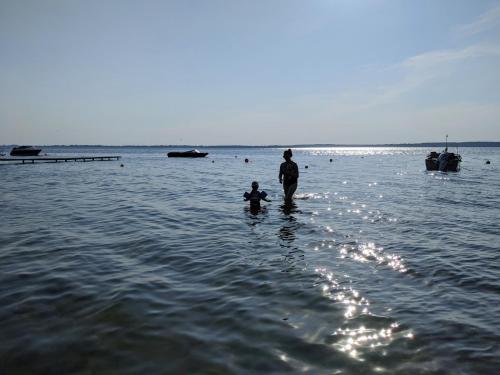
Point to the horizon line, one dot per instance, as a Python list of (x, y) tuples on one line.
[(299, 145)]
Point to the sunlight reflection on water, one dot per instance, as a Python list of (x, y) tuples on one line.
[(356, 340), (356, 151)]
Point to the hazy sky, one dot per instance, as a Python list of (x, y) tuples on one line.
[(248, 72)]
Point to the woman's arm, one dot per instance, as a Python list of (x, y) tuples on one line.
[(296, 170)]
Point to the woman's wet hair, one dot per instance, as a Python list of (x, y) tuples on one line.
[(287, 153)]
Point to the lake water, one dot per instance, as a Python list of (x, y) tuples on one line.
[(157, 267)]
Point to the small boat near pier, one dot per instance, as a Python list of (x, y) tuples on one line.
[(25, 151), (187, 154)]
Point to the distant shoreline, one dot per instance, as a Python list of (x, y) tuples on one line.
[(423, 144)]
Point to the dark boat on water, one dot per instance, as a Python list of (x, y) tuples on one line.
[(443, 161), (187, 154), (25, 151)]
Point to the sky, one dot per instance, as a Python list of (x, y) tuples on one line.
[(260, 72)]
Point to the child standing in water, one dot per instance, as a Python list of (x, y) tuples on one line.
[(255, 196), (289, 175)]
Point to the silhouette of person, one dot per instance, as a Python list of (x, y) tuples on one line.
[(255, 196), (289, 174)]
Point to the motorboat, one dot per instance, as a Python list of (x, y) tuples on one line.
[(443, 161), (25, 151), (187, 154)]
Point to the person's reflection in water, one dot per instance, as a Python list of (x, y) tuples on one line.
[(287, 230), (289, 208), (287, 236), (257, 214), (255, 210), (287, 233)]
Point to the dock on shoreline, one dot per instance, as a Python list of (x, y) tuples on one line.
[(43, 159)]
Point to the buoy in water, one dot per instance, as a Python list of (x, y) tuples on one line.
[(121, 165), (307, 166), (488, 162), (246, 160), (213, 161), (331, 160)]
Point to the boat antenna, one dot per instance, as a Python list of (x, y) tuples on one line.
[(446, 147)]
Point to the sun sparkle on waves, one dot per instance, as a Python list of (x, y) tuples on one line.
[(355, 341), (366, 252)]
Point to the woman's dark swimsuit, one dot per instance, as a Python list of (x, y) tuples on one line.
[(288, 169)]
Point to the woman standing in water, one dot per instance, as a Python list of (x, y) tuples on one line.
[(289, 174)]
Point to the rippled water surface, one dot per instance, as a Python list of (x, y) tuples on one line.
[(158, 267)]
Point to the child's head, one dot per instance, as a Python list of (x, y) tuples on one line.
[(255, 185)]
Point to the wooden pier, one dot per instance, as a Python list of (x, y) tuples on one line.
[(44, 159)]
